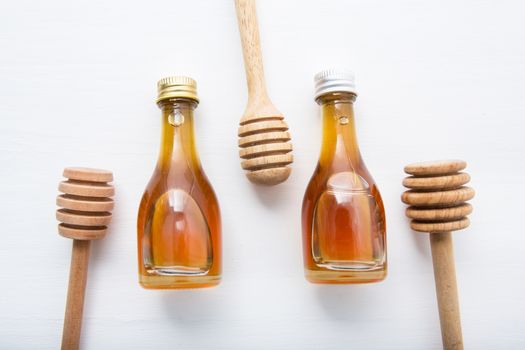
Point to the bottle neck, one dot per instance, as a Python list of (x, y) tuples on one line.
[(339, 136), (177, 146)]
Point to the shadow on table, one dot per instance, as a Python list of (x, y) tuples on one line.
[(348, 302), (190, 306)]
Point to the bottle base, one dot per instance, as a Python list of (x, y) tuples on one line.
[(345, 277), (178, 282)]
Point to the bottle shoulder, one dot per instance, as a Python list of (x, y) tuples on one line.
[(324, 171), (194, 183)]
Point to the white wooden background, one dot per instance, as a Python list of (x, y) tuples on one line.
[(436, 79)]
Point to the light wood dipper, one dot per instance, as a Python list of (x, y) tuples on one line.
[(85, 211), (437, 198), (264, 144)]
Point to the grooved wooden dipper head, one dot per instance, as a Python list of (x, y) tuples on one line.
[(264, 144), (437, 196), (437, 199), (85, 204), (265, 150), (84, 215)]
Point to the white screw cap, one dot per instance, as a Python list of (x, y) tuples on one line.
[(334, 80)]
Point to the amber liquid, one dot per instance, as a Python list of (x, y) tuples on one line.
[(343, 218), (179, 224)]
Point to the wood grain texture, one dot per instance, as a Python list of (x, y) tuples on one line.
[(437, 206), (82, 232), (436, 182), (438, 198), (446, 290), (83, 218), (435, 167), (80, 203), (75, 295), (439, 214), (79, 218), (86, 188), (264, 150), (261, 123), (88, 174), (259, 104), (444, 226)]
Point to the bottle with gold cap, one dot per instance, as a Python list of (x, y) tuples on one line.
[(343, 219), (179, 223)]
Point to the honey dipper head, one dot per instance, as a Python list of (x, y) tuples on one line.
[(85, 204), (437, 196), (264, 147)]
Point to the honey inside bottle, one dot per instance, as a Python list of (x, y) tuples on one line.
[(343, 219), (179, 225)]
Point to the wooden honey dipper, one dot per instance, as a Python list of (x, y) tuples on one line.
[(263, 133), (437, 198), (85, 212)]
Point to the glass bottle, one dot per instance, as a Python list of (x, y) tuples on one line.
[(179, 223), (343, 218)]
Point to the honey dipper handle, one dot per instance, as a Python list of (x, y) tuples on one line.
[(75, 295), (446, 289), (251, 49)]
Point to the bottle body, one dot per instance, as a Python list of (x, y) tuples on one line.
[(179, 224), (343, 218)]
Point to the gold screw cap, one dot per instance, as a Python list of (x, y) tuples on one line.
[(177, 87)]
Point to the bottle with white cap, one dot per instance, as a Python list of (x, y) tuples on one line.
[(343, 218)]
